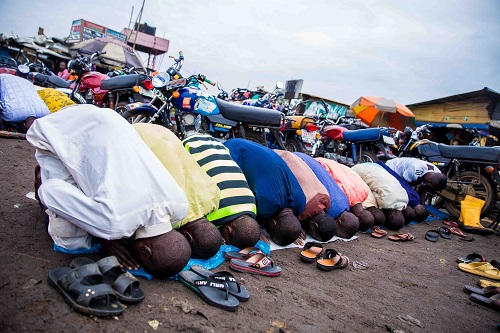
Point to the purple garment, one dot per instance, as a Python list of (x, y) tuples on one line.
[(413, 197), (338, 200)]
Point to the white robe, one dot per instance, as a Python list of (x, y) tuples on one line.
[(100, 176)]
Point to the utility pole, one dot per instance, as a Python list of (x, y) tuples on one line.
[(138, 23)]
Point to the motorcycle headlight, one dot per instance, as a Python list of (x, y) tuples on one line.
[(188, 119)]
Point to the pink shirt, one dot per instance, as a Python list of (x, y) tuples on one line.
[(63, 74), (350, 182), (317, 197)]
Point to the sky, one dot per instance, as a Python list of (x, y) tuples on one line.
[(410, 51)]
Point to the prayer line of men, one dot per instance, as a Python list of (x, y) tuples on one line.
[(156, 201)]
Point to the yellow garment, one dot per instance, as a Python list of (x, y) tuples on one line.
[(201, 190), (470, 212), (486, 283), (54, 99)]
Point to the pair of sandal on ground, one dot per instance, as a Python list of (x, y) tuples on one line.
[(378, 232), (326, 259), (220, 289), (445, 232), (252, 260), (475, 264), (96, 288), (488, 296)]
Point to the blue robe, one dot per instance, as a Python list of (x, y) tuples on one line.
[(338, 200), (269, 177)]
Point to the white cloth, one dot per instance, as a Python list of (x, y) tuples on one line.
[(411, 168), (19, 99), (386, 189), (100, 176)]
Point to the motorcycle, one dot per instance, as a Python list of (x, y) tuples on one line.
[(186, 108), (350, 147), (101, 90), (471, 170)]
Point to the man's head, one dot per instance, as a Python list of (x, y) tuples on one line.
[(203, 237), (378, 215), (321, 227), (366, 219), (347, 225), (421, 212), (62, 65), (26, 124), (242, 232), (164, 255), (408, 214), (284, 228), (394, 219), (435, 181)]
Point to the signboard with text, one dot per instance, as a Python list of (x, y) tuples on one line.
[(83, 30)]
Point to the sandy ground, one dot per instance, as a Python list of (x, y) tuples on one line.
[(419, 279)]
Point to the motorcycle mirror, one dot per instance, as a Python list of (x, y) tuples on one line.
[(219, 86), (23, 69), (279, 85), (160, 80)]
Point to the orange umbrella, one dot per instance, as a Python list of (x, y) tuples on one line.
[(381, 112)]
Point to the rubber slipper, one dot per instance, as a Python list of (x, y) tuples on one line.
[(484, 269), (486, 292), (377, 232), (243, 254), (451, 224), (257, 264), (432, 235), (495, 264), (84, 290), (212, 291), (332, 260), (491, 302), (125, 285), (473, 257), (311, 251), (444, 232), (401, 237), (233, 286)]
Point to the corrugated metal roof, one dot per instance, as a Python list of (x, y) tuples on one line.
[(485, 92)]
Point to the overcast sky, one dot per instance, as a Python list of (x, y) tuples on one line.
[(409, 51)]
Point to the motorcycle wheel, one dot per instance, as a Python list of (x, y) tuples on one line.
[(484, 190), (367, 156), (294, 145), (121, 107), (257, 137), (136, 117)]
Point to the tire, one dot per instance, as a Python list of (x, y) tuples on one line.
[(136, 117), (367, 156), (294, 145), (120, 107), (258, 137), (485, 190)]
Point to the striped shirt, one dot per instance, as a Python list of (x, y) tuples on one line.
[(236, 198)]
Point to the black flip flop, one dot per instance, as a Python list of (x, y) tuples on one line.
[(473, 257), (235, 289), (83, 289), (486, 291), (444, 232), (432, 235), (212, 291), (125, 285)]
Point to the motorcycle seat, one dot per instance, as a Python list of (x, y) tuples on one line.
[(249, 114), (40, 79), (484, 154), (58, 82), (122, 81), (368, 134)]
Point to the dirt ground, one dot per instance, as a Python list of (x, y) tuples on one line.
[(417, 278)]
